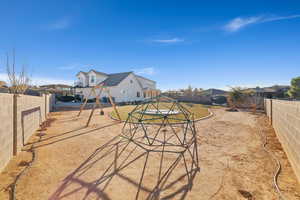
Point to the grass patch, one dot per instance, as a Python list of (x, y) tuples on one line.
[(198, 110)]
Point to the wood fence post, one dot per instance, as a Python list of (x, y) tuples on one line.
[(15, 127)]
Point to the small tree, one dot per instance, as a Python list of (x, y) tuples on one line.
[(294, 91), (252, 100), (18, 82), (236, 97), (189, 90), (195, 92)]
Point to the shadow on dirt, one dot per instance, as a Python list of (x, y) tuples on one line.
[(144, 174)]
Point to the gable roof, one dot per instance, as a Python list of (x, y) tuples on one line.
[(115, 79), (92, 70), (85, 73), (145, 78), (96, 72)]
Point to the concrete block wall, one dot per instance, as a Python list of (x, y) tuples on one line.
[(31, 111), (285, 119), (6, 128)]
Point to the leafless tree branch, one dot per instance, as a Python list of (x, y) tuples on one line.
[(18, 82)]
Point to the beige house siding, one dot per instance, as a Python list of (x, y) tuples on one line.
[(285, 118)]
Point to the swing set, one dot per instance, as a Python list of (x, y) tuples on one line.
[(98, 104)]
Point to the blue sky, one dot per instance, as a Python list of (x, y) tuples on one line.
[(177, 43)]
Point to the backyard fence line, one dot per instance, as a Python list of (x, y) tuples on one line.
[(284, 116), (20, 116)]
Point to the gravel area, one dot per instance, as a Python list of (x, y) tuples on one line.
[(75, 162)]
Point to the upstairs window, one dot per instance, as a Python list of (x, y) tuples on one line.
[(131, 81), (92, 79)]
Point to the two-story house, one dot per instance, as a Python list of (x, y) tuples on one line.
[(123, 87)]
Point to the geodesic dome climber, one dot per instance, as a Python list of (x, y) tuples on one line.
[(164, 125)]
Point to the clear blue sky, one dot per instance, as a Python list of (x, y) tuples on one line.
[(202, 43)]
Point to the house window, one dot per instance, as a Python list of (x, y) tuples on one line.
[(131, 81), (145, 95), (92, 79), (138, 94)]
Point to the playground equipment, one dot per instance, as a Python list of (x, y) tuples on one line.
[(163, 125), (98, 104)]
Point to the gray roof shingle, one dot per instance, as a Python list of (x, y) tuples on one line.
[(115, 79)]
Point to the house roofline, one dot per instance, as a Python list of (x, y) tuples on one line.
[(101, 73), (92, 70), (81, 72), (145, 78)]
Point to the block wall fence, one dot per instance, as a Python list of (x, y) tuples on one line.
[(285, 119), (20, 116)]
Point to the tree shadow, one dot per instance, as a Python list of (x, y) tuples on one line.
[(144, 174)]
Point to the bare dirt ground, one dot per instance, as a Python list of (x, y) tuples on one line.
[(74, 162)]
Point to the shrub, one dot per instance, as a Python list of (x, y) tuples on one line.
[(65, 98), (294, 91)]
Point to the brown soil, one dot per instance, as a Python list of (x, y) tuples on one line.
[(74, 162)]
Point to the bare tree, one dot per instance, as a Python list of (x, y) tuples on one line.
[(18, 82)]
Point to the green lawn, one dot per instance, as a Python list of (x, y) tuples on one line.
[(198, 110)]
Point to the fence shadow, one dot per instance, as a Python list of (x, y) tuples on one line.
[(173, 178), (68, 135)]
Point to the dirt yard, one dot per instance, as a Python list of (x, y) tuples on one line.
[(74, 162)]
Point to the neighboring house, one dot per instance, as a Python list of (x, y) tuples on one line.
[(174, 93), (276, 91), (3, 87), (58, 89), (123, 87), (3, 84), (213, 92)]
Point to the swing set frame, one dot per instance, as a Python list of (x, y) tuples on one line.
[(98, 104)]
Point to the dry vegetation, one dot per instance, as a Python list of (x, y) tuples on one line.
[(18, 82), (198, 110)]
